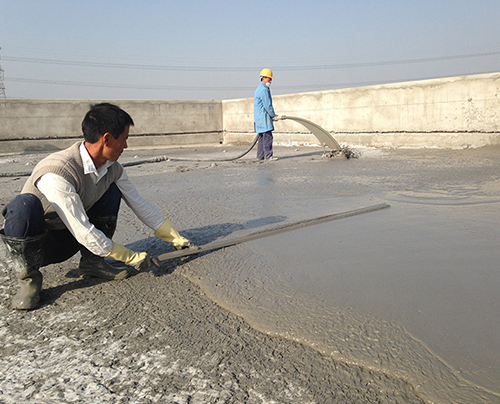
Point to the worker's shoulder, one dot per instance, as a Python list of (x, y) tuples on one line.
[(261, 90), (61, 161), (63, 156)]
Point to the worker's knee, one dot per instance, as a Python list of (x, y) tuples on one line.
[(24, 216)]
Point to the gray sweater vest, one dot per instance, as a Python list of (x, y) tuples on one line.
[(68, 164)]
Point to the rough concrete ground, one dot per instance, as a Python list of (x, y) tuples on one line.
[(157, 337)]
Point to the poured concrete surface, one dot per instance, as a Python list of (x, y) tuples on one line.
[(400, 305)]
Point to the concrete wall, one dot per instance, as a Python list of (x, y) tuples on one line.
[(449, 112), (27, 125)]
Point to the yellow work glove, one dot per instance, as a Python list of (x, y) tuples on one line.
[(138, 260), (168, 233)]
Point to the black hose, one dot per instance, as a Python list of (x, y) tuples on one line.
[(166, 158), (153, 160)]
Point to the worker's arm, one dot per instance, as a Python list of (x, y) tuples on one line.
[(267, 103), (149, 215)]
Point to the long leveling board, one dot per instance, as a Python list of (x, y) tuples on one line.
[(269, 232)]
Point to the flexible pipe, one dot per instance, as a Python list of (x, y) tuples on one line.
[(153, 160)]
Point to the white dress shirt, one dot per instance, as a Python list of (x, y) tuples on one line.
[(68, 205)]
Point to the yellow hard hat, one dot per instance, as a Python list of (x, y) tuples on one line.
[(266, 73)]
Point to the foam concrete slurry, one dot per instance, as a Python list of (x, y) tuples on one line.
[(406, 294), (410, 291)]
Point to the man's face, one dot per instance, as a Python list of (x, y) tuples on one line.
[(114, 147), (267, 80)]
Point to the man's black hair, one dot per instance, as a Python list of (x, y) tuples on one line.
[(102, 118)]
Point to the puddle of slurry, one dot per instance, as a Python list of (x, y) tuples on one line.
[(411, 291)]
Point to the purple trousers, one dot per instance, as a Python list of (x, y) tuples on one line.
[(265, 146)]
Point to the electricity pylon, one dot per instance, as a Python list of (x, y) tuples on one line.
[(2, 86)]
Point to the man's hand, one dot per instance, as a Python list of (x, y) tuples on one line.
[(139, 260), (145, 262), (180, 243), (168, 233), (279, 117)]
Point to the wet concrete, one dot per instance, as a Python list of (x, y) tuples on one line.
[(399, 305)]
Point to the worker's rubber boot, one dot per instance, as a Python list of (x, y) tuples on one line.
[(92, 265), (27, 256)]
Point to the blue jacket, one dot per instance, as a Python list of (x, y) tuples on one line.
[(263, 110)]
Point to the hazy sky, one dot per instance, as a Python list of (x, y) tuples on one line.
[(187, 49)]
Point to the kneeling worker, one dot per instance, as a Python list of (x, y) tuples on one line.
[(70, 203)]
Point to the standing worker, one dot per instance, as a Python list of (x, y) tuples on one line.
[(70, 203), (264, 116)]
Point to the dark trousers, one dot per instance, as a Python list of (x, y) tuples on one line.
[(24, 218), (265, 146)]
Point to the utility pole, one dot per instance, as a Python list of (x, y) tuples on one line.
[(2, 86)]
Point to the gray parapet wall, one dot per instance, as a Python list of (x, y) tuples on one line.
[(38, 125), (455, 112)]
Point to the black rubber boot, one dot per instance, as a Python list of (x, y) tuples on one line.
[(27, 256), (92, 265)]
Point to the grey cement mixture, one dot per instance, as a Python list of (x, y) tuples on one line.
[(394, 306)]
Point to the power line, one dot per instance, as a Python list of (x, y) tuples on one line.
[(129, 86), (244, 69), (301, 87)]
